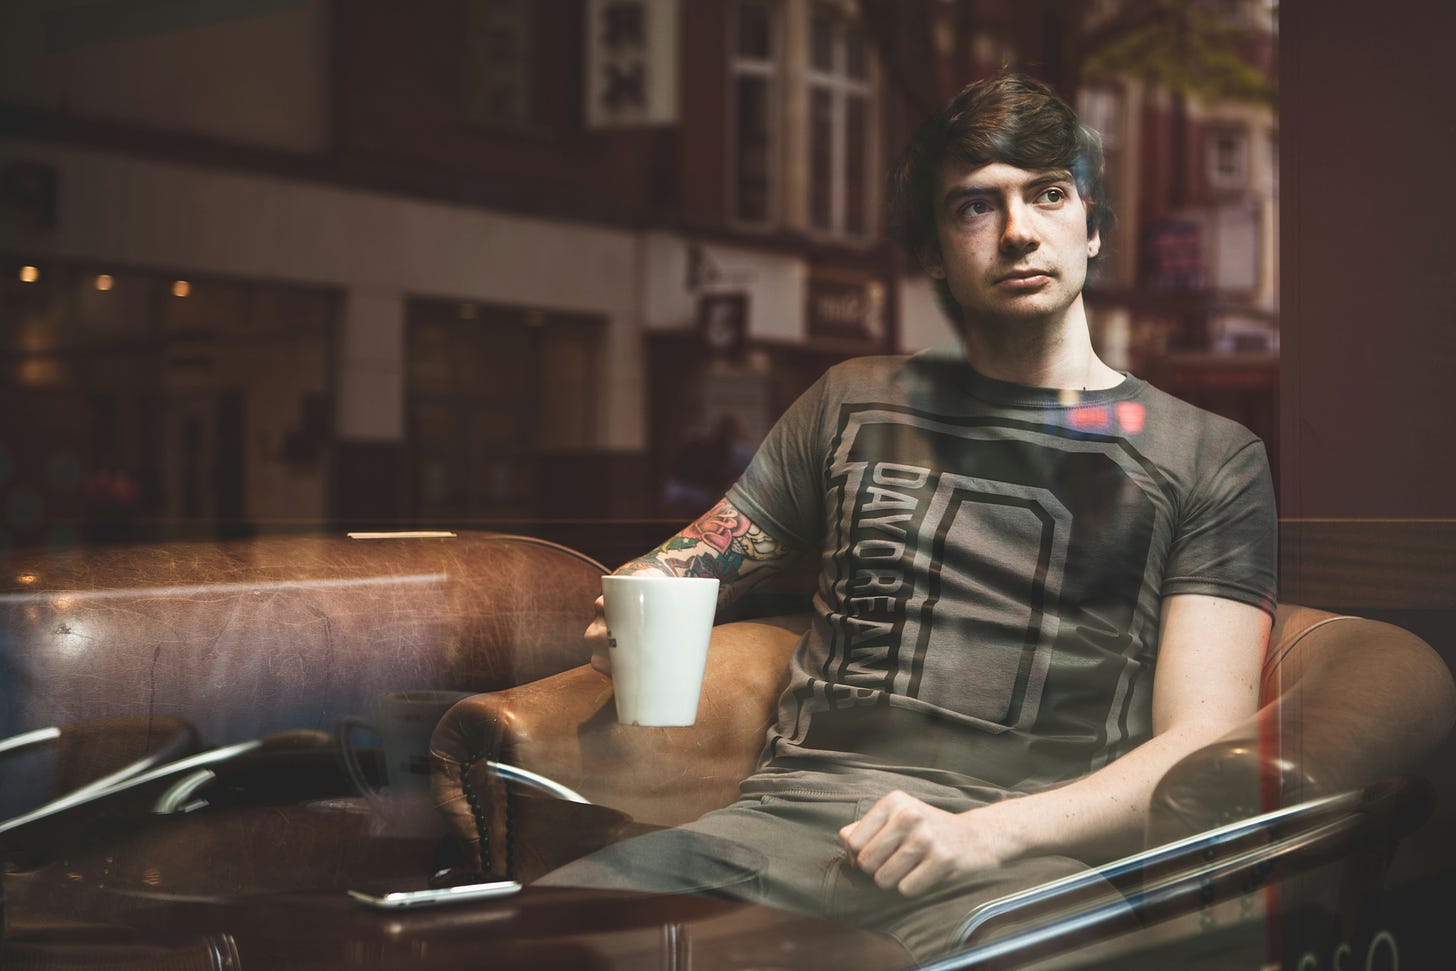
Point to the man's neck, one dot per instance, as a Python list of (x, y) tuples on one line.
[(1039, 353)]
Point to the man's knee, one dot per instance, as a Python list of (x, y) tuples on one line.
[(670, 861)]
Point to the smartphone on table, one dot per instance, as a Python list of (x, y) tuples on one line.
[(386, 899)]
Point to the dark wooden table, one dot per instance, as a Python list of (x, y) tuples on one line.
[(264, 887), (539, 928)]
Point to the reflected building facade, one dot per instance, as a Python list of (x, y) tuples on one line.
[(494, 261)]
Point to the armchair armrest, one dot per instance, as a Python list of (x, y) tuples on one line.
[(1186, 875), (1347, 702), (564, 727)]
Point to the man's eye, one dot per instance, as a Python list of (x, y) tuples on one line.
[(1054, 195), (976, 207)]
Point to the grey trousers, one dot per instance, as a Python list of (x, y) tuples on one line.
[(784, 851)]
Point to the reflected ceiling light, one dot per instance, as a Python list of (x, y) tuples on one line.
[(181, 288), (104, 281), (29, 274)]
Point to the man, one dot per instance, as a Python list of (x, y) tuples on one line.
[(1042, 581)]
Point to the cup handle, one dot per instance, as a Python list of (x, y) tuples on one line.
[(347, 756)]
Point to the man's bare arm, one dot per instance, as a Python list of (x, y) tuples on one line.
[(1206, 683), (724, 543)]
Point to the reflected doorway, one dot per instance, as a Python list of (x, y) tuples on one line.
[(495, 395)]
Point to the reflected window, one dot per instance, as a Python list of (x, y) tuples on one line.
[(840, 145), (499, 45), (1228, 158), (754, 91)]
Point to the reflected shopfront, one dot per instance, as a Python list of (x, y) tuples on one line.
[(144, 405)]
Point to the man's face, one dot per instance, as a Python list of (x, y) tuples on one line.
[(1013, 242)]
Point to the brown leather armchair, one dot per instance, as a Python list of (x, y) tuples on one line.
[(1346, 703)]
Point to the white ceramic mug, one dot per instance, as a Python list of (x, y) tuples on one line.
[(658, 629)]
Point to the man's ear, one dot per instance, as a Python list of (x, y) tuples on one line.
[(1094, 244)]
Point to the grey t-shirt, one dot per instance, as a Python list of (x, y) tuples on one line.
[(994, 561)]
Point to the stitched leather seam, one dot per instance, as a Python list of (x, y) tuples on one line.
[(482, 825)]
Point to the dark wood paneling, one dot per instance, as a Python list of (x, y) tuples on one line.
[(369, 485), (1368, 342), (1356, 564)]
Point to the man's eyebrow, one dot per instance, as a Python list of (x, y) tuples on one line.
[(958, 192), (973, 191), (1051, 175)]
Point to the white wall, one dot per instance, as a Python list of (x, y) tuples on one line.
[(377, 248), (775, 285), (773, 282)]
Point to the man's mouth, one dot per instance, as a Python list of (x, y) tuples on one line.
[(1025, 277)]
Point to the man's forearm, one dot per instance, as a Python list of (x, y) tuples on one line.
[(721, 543), (1102, 815), (1211, 651)]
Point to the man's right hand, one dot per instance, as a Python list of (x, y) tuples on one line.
[(596, 638)]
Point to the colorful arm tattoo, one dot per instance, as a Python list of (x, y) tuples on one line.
[(722, 543)]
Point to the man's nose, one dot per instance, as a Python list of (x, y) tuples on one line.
[(1019, 234)]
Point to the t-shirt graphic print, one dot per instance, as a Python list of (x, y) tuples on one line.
[(993, 562)]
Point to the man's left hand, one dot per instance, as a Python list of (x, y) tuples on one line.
[(910, 846)]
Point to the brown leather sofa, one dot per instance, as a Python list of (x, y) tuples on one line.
[(1347, 703), (265, 638)]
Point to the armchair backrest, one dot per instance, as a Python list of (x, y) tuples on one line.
[(249, 637)]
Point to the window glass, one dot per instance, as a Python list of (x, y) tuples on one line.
[(1228, 157), (497, 82), (753, 145), (752, 113), (823, 37), (839, 193), (755, 31), (821, 159), (856, 165), (856, 63)]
